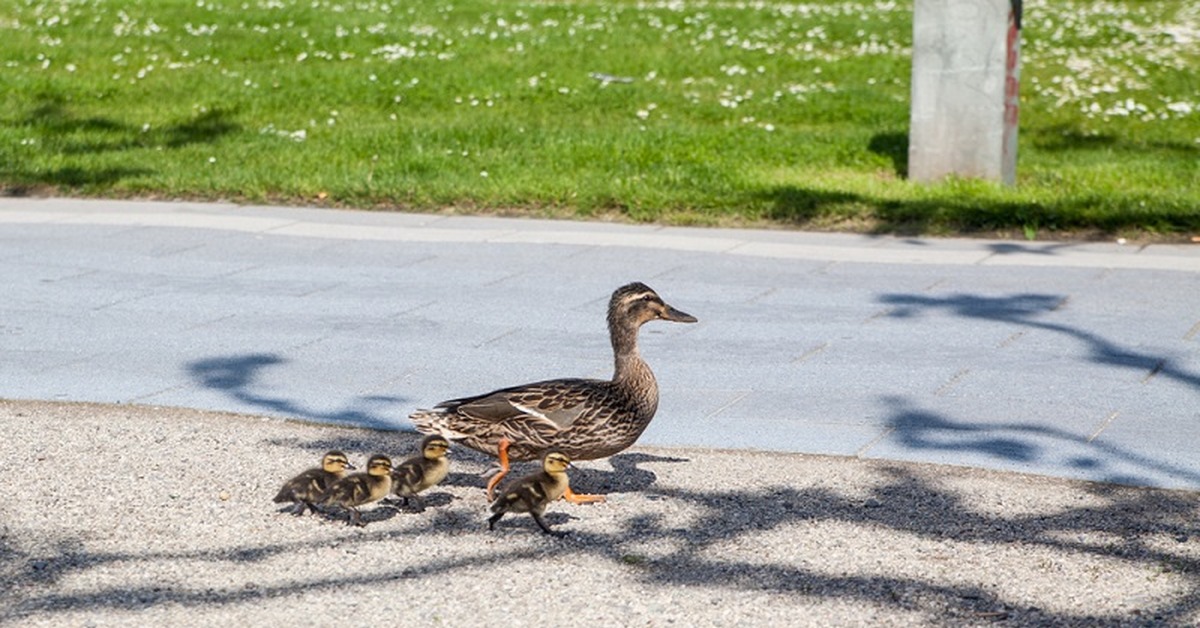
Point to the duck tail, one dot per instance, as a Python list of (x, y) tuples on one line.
[(425, 420), (433, 422)]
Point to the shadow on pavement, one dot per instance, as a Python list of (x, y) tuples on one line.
[(237, 376), (1155, 530), (1021, 309)]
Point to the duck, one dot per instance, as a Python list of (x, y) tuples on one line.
[(423, 470), (585, 419), (305, 489), (360, 489), (534, 492)]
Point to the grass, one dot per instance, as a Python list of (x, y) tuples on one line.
[(725, 112)]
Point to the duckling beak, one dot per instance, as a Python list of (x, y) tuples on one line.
[(350, 465), (677, 316)]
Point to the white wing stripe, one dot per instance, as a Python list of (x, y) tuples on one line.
[(529, 411)]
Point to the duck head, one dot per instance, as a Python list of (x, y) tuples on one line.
[(335, 462), (636, 303)]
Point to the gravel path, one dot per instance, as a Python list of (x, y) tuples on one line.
[(121, 514)]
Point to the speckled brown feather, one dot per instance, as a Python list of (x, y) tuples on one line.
[(584, 418)]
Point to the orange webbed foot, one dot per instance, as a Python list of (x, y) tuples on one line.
[(582, 498)]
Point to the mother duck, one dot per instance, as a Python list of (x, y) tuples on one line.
[(583, 418)]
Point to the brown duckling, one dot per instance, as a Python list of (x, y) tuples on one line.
[(534, 492), (423, 470), (361, 489), (306, 489), (585, 419)]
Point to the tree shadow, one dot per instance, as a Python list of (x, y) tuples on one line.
[(1123, 524), (57, 125), (237, 376), (1069, 137), (1022, 310), (918, 429), (58, 129), (977, 213)]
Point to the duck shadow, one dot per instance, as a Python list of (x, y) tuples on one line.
[(626, 476)]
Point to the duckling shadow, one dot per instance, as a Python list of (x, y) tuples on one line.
[(518, 522), (465, 480), (370, 515), (426, 501)]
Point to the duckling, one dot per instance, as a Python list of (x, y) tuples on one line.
[(305, 489), (423, 470), (361, 489), (534, 492), (585, 419)]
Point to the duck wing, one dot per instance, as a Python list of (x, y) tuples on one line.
[(552, 405)]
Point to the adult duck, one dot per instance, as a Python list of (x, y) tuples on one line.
[(585, 419)]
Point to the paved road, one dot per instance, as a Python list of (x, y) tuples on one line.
[(1072, 360)]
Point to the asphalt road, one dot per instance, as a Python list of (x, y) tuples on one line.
[(1076, 360)]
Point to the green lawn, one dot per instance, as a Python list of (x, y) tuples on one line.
[(726, 112)]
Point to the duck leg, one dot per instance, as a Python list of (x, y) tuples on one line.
[(503, 453), (582, 498)]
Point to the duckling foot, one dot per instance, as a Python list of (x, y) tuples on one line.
[(545, 528), (582, 498), (493, 519), (503, 454), (413, 503), (356, 519)]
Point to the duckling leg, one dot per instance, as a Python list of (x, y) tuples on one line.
[(356, 518), (537, 516), (582, 498), (503, 450), (493, 519)]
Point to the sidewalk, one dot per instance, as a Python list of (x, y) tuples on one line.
[(1070, 360)]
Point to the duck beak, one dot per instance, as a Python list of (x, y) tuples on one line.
[(677, 316), (350, 466)]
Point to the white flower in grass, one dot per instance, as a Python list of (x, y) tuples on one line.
[(212, 160), (483, 173)]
